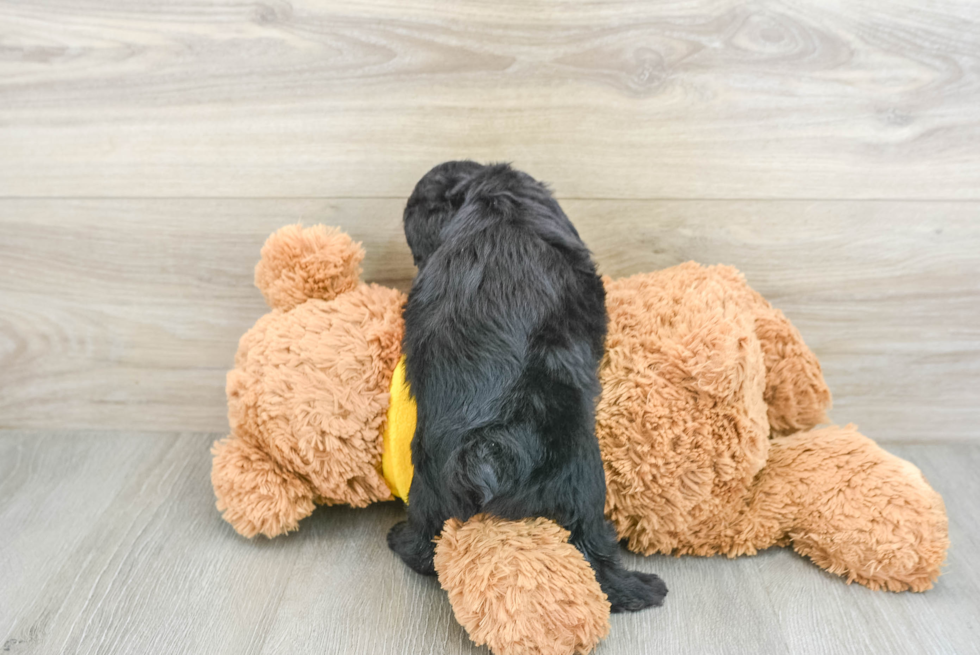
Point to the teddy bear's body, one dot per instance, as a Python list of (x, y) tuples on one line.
[(703, 385), (681, 421)]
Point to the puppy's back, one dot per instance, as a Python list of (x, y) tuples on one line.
[(504, 330)]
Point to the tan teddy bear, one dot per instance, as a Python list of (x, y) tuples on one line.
[(705, 390)]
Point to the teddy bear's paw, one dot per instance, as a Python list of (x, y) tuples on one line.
[(520, 587), (796, 393), (254, 495)]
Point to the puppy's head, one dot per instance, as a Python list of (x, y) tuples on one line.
[(436, 198)]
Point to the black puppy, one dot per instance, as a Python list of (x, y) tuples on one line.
[(504, 330)]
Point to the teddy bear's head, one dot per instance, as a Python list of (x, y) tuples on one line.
[(308, 395)]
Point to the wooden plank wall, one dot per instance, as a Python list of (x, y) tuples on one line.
[(829, 150)]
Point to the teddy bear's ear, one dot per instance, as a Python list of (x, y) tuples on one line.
[(298, 264)]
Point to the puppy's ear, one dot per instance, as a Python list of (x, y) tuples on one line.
[(434, 201)]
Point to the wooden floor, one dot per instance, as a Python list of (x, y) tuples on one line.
[(111, 544)]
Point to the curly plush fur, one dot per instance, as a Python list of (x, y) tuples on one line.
[(700, 371), (309, 392), (481, 563), (701, 378)]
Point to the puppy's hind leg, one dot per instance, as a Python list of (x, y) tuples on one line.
[(575, 499), (414, 545), (628, 591), (581, 493), (412, 540)]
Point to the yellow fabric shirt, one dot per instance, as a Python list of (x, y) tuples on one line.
[(396, 460)]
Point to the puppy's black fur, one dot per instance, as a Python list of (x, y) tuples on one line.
[(504, 330)]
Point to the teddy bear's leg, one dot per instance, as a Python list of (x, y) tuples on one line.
[(796, 393), (855, 509), (254, 494), (520, 587)]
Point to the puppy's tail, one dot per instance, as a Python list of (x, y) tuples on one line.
[(488, 463), (474, 473)]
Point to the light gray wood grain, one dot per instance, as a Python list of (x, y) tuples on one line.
[(125, 314), (623, 99), (111, 544), (46, 510)]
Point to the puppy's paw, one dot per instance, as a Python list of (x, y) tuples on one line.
[(633, 591), (414, 549)]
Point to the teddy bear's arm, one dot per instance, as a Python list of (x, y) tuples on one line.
[(254, 494), (796, 394)]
